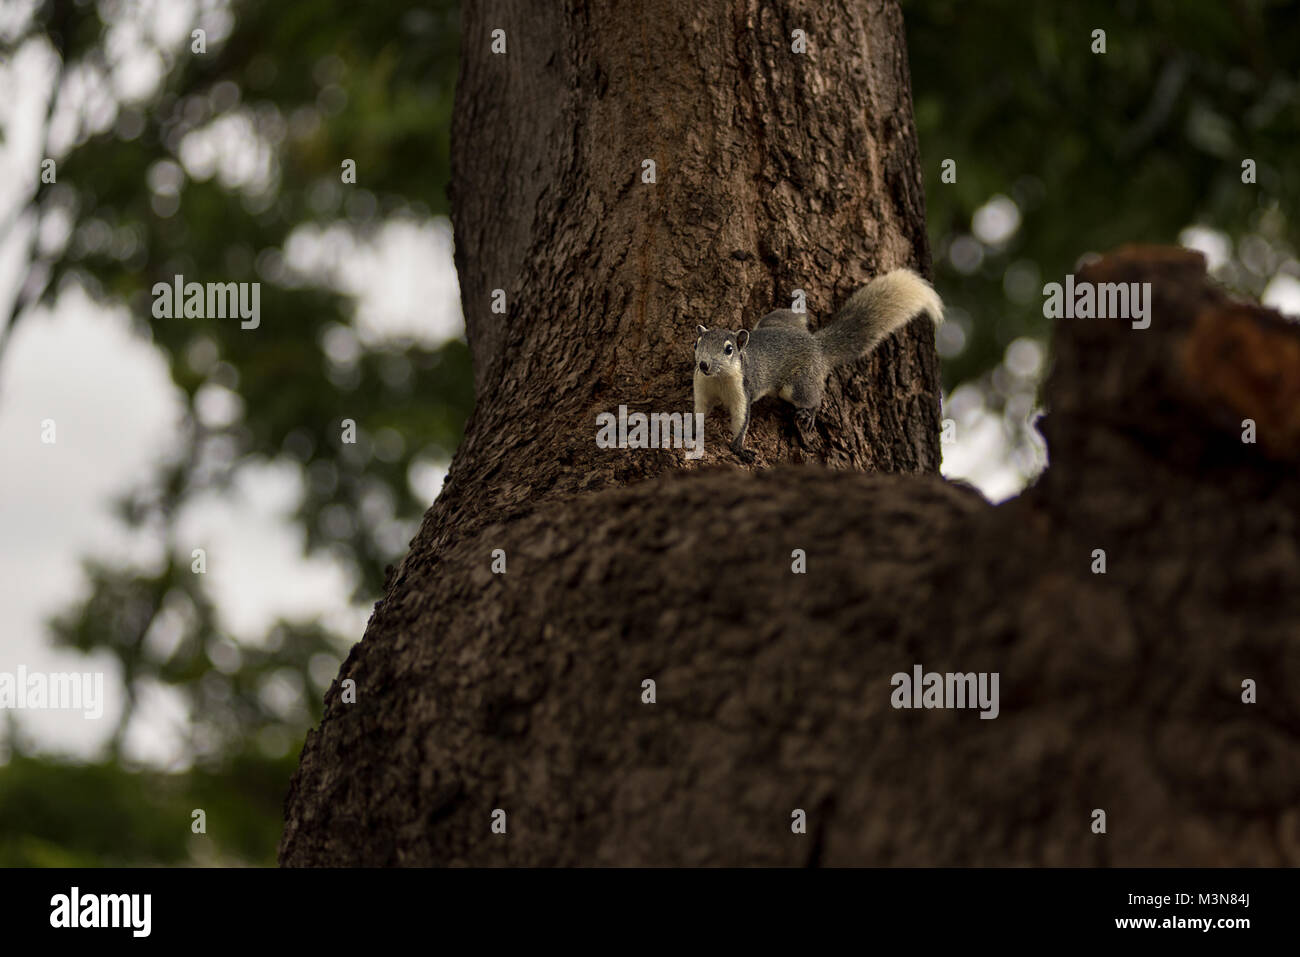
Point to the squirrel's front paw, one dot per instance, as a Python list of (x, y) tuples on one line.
[(805, 419), (745, 455)]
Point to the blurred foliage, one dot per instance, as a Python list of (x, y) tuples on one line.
[(311, 83), (1088, 151), (55, 813), (1059, 152)]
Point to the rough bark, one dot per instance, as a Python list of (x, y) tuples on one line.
[(523, 691), (776, 171)]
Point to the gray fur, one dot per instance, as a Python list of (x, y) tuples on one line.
[(784, 318), (782, 358)]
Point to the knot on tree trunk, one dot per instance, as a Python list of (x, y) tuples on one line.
[(1205, 363)]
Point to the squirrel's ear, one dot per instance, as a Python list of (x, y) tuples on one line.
[(742, 337), (701, 330)]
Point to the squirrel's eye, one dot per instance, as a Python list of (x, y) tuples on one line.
[(728, 349)]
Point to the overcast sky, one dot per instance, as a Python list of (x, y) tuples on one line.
[(116, 410)]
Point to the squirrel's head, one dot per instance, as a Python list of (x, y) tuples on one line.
[(717, 351)]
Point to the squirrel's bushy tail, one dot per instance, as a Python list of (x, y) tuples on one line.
[(874, 311)]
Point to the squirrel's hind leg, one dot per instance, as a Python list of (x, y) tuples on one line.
[(806, 397)]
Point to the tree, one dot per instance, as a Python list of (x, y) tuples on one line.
[(764, 184), (520, 699), (1085, 150)]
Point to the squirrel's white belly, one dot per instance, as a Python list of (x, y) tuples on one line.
[(727, 391)]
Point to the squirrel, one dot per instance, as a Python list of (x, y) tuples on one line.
[(782, 357)]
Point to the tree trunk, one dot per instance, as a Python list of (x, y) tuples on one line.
[(523, 691), (775, 171)]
